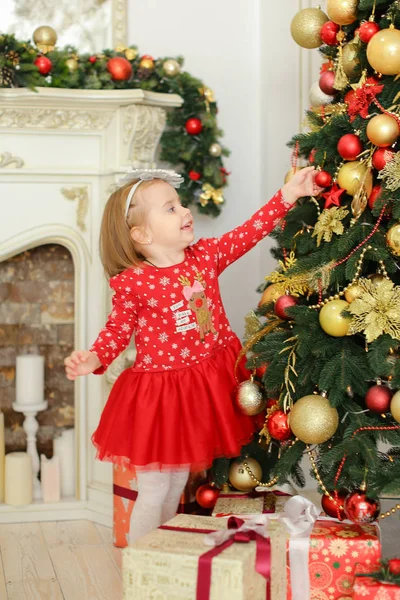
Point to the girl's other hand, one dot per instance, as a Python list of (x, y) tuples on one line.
[(81, 362)]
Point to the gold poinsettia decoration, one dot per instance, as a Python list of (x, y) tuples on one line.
[(391, 173), (252, 325), (330, 222), (296, 284), (377, 310), (211, 193)]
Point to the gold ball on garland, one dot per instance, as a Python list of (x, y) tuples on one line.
[(313, 420), (395, 406), (215, 150), (120, 68), (306, 27), (147, 63), (352, 174), (350, 59), (331, 319), (393, 239), (353, 291), (383, 51), (171, 68), (72, 64), (131, 53), (240, 478), (318, 97), (249, 399), (342, 12), (45, 38), (270, 294), (382, 130)]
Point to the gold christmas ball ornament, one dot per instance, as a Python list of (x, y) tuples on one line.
[(239, 476), (382, 130), (131, 53), (395, 406), (147, 63), (317, 97), (383, 51), (72, 64), (306, 27), (313, 420), (393, 239), (45, 38), (342, 12), (248, 398), (350, 58), (352, 174), (353, 291), (171, 68), (270, 294), (215, 150), (331, 319), (376, 277)]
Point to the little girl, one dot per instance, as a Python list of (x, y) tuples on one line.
[(171, 412)]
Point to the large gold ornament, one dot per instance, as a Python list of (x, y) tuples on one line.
[(239, 476), (313, 420), (377, 310), (271, 293), (383, 51), (350, 58), (352, 175), (306, 27), (342, 12), (171, 67), (331, 319), (382, 130), (395, 406), (211, 193), (248, 398), (330, 222), (393, 239), (45, 38)]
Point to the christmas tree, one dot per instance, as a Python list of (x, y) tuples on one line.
[(324, 342)]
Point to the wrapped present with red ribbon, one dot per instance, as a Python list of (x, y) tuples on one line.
[(382, 584)]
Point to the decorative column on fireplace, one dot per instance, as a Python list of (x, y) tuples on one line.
[(61, 153)]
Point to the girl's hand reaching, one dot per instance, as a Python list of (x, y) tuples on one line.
[(81, 362), (301, 184)]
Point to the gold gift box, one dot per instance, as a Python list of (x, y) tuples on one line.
[(239, 503)]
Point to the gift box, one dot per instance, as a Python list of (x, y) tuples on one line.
[(368, 588), (240, 503)]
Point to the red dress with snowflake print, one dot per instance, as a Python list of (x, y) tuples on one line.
[(173, 408)]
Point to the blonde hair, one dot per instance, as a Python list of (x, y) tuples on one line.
[(117, 249)]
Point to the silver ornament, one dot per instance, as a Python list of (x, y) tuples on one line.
[(318, 97), (249, 399), (215, 150)]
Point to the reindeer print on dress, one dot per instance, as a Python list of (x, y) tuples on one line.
[(197, 301)]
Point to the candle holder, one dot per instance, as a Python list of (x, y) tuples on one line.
[(31, 427)]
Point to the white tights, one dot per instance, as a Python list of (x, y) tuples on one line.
[(157, 501)]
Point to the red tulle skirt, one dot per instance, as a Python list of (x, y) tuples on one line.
[(178, 419)]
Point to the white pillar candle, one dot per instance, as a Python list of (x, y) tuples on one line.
[(18, 478), (2, 458), (64, 448), (30, 379), (50, 478)]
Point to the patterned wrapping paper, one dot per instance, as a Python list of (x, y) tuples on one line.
[(240, 503), (163, 565), (367, 588)]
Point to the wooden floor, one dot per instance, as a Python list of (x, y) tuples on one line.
[(63, 560)]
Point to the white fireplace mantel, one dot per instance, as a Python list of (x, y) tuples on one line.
[(61, 153)]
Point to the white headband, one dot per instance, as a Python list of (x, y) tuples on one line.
[(170, 177)]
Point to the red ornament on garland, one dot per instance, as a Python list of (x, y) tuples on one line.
[(378, 398), (194, 126), (323, 179), (381, 157), (367, 30), (360, 509), (349, 146), (44, 65), (207, 495), (311, 156), (331, 508), (326, 81), (278, 426), (394, 566), (92, 59), (328, 33), (376, 192), (120, 68), (194, 175), (282, 303)]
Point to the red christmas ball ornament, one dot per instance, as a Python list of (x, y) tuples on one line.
[(44, 65), (278, 426), (378, 398), (381, 157), (323, 179), (260, 371), (207, 495), (360, 509), (92, 59), (326, 81), (311, 156), (147, 57), (120, 68), (376, 192), (328, 33), (194, 175), (282, 303), (330, 507), (394, 566), (367, 30), (349, 146), (271, 402), (194, 126)]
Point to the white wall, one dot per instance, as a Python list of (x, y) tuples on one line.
[(243, 51)]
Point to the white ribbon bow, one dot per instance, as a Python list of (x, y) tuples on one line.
[(257, 523)]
